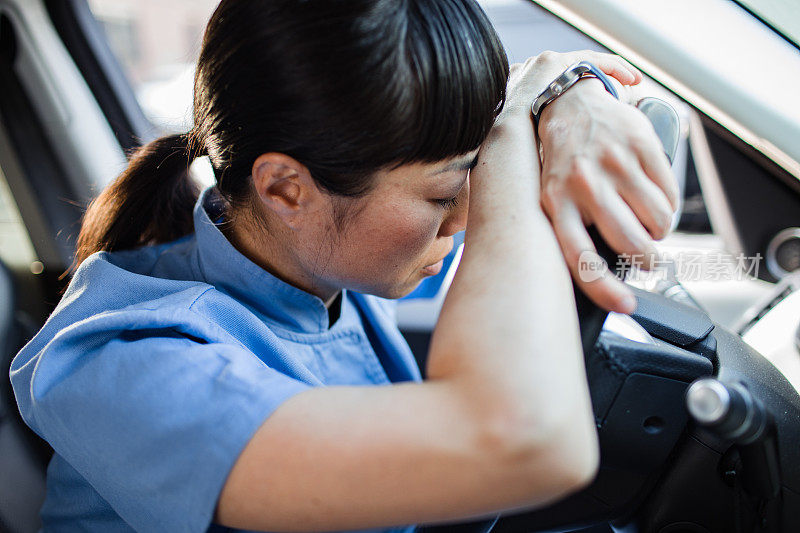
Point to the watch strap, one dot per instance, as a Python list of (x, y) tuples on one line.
[(564, 81)]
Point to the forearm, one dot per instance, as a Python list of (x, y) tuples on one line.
[(508, 328)]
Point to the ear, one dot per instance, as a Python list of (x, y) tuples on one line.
[(285, 186)]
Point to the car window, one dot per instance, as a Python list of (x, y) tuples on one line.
[(16, 249), (157, 44), (527, 30)]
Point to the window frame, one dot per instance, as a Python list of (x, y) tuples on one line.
[(86, 42)]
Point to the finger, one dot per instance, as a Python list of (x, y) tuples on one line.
[(649, 205), (647, 201), (615, 66), (655, 164), (599, 284), (637, 74), (618, 226)]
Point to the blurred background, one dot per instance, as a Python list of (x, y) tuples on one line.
[(158, 44)]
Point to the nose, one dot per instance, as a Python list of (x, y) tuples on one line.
[(456, 219)]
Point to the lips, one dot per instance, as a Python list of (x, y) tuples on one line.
[(434, 269)]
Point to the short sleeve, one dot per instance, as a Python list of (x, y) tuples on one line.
[(154, 422)]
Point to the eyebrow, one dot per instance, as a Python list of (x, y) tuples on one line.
[(464, 164)]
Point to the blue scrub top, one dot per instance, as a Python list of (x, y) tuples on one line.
[(160, 363)]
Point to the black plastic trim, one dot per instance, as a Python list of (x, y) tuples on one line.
[(753, 185), (768, 24), (41, 169)]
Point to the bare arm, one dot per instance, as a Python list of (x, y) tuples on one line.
[(503, 422)]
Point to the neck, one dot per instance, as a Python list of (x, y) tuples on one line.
[(270, 254)]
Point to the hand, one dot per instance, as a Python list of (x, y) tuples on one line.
[(603, 165), (528, 79)]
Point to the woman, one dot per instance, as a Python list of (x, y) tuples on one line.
[(229, 360)]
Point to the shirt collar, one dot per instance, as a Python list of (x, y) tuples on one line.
[(228, 270)]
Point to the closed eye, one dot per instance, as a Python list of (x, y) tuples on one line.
[(451, 203), (447, 203)]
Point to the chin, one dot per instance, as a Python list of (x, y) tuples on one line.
[(393, 292)]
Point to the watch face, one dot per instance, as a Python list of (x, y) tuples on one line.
[(581, 69), (570, 76), (566, 80)]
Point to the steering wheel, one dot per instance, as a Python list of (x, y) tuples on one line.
[(698, 432)]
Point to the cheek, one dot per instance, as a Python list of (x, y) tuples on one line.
[(396, 241), (406, 235)]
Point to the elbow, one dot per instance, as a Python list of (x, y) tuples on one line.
[(551, 455), (579, 465), (575, 447)]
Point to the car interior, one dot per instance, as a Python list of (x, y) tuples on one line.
[(69, 115)]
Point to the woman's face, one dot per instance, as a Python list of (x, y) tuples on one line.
[(396, 235)]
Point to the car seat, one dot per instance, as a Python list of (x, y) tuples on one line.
[(23, 455)]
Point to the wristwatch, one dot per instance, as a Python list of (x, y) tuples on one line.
[(564, 81)]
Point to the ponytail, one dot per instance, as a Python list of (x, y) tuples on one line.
[(150, 202)]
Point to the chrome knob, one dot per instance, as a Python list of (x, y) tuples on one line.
[(730, 411), (708, 401)]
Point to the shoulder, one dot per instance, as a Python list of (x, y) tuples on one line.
[(105, 301), (102, 286), (127, 328)]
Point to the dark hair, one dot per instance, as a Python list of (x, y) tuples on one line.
[(346, 87)]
